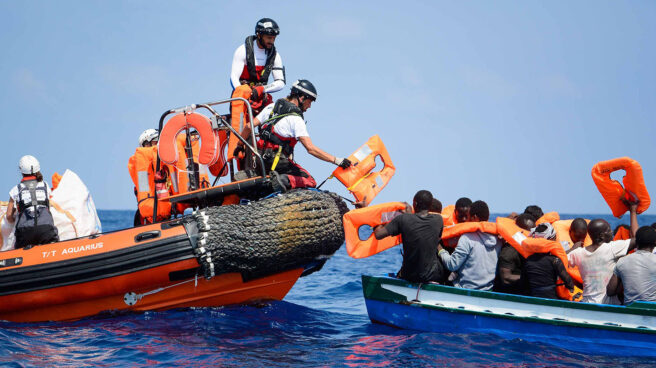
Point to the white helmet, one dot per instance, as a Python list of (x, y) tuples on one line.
[(28, 165), (147, 136)]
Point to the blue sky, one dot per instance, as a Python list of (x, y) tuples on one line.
[(509, 102)]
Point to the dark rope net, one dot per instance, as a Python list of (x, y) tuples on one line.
[(271, 235)]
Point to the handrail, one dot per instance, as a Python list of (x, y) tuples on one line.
[(208, 105)]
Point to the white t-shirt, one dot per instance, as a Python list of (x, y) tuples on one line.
[(292, 126), (597, 268), (13, 194), (239, 61)]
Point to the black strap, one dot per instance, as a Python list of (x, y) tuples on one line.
[(250, 61)]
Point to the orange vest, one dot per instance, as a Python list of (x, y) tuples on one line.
[(525, 246), (372, 216), (141, 166), (359, 178), (562, 232), (549, 217), (451, 233), (238, 115), (613, 191), (449, 215), (622, 234)]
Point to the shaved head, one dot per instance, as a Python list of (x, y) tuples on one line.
[(600, 231), (578, 230)]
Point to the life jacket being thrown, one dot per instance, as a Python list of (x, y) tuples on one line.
[(359, 179), (269, 139), (372, 216), (518, 238), (141, 166), (613, 191)]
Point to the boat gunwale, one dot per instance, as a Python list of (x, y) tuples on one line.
[(379, 281)]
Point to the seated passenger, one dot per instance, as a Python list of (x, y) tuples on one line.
[(542, 270), (461, 213), (421, 232), (636, 273), (436, 206), (475, 256), (534, 211), (577, 232), (29, 207), (511, 264), (597, 261)]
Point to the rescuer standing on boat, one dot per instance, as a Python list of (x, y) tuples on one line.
[(281, 126), (253, 63), (31, 198)]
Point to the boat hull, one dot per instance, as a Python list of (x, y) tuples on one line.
[(442, 309)]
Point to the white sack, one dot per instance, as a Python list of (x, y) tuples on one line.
[(72, 208)]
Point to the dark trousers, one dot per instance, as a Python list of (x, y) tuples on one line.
[(40, 234), (293, 175)]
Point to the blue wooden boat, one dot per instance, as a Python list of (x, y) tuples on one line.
[(583, 327)]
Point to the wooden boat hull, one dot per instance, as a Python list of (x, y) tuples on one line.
[(588, 328)]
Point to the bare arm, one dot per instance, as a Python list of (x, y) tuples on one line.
[(316, 151), (633, 208), (614, 286), (246, 131), (380, 232), (11, 211), (507, 277), (562, 273)]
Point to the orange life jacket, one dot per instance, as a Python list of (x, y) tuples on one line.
[(525, 246), (359, 178), (549, 217), (238, 116), (56, 178), (562, 233), (141, 166), (449, 215), (451, 233), (622, 233), (613, 191), (169, 150), (373, 216)]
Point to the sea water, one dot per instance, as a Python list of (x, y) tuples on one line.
[(321, 323)]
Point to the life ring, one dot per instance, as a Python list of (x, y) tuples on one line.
[(359, 178), (372, 216), (168, 147), (525, 246), (613, 191)]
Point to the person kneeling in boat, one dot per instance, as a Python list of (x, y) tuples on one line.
[(282, 125), (31, 199), (636, 273), (421, 232), (542, 270), (597, 261), (475, 257), (510, 266)]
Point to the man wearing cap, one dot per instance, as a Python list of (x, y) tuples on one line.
[(636, 273)]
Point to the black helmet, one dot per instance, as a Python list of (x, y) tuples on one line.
[(303, 87), (267, 26)]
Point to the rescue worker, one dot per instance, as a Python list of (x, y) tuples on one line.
[(253, 63), (281, 126), (144, 161), (29, 207)]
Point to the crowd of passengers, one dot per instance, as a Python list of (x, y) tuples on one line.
[(613, 271)]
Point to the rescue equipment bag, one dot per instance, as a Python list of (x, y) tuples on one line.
[(142, 171), (73, 210), (372, 216), (613, 191), (525, 246), (359, 178), (549, 217)]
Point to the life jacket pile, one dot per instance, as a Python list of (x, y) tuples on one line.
[(270, 141), (34, 217), (359, 222), (613, 191), (360, 179)]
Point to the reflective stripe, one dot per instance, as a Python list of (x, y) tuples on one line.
[(519, 237), (142, 178), (388, 216), (363, 152)]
